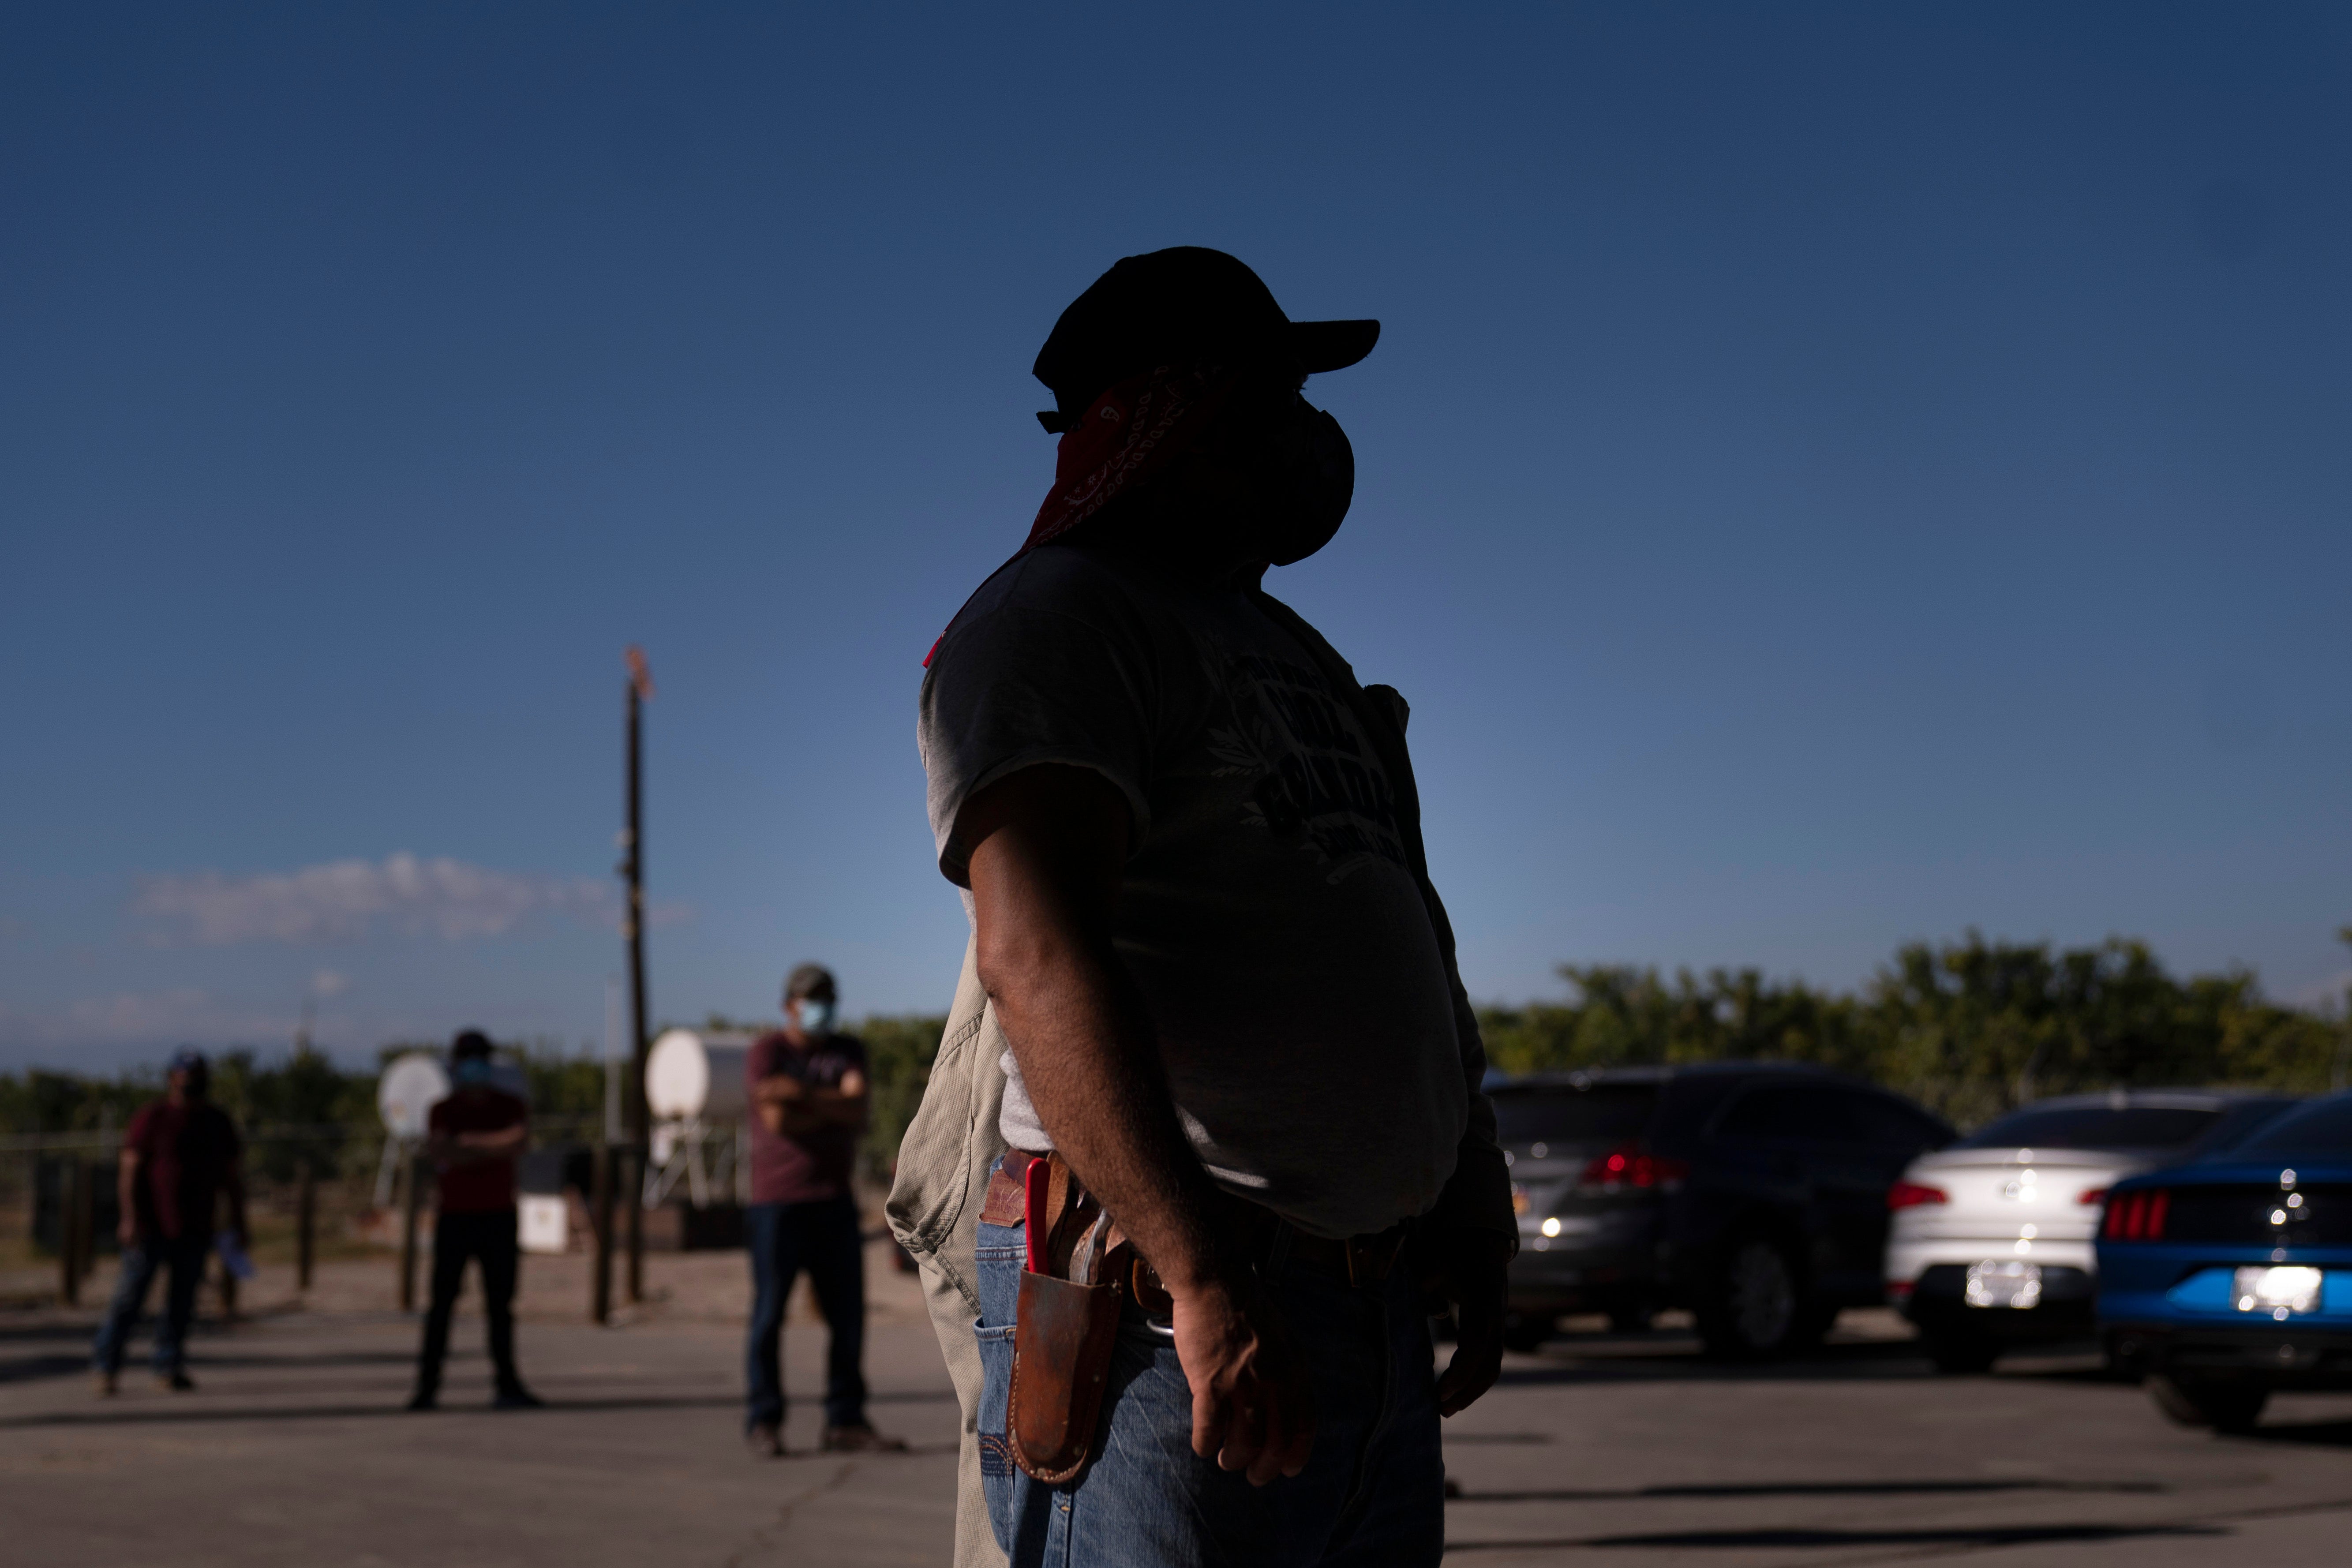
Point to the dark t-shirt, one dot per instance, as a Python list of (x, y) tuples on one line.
[(802, 1170), (185, 1153), (476, 1186), (1269, 914)]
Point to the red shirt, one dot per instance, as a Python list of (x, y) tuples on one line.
[(802, 1170), (477, 1186), (185, 1153)]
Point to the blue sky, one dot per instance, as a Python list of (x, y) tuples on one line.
[(1831, 476)]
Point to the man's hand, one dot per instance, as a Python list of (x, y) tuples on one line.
[(1047, 845), (1253, 1409), (126, 1230), (1471, 1275)]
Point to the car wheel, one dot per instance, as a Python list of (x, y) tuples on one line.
[(2226, 1404), (1961, 1354), (1757, 1304)]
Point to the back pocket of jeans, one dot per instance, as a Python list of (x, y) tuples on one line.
[(995, 1391)]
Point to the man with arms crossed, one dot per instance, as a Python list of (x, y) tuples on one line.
[(1209, 966), (474, 1137), (179, 1154), (809, 1103)]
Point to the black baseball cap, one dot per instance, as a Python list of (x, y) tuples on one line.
[(807, 980), (1177, 306)]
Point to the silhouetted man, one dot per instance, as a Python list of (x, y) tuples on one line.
[(808, 1089), (1209, 973), (179, 1154), (474, 1138)]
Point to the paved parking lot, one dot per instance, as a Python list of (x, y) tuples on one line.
[(1601, 1449)]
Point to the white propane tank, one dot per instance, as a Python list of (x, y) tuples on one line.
[(412, 1084), (691, 1077)]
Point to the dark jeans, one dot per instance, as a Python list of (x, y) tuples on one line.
[(185, 1258), (821, 1238), (1373, 1494), (489, 1238)]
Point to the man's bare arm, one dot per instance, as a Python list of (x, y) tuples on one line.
[(1046, 846), (778, 1089), (803, 1107), (445, 1149), (505, 1143)]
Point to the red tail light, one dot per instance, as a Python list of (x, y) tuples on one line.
[(2136, 1216), (2093, 1196), (1631, 1166), (1911, 1195)]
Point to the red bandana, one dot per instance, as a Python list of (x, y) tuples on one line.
[(1129, 433)]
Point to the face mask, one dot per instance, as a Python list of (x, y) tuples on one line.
[(817, 1017), (473, 1069), (1321, 475)]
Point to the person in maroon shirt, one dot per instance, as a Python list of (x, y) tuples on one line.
[(179, 1154), (808, 1091), (473, 1138)]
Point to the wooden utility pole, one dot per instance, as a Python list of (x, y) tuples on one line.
[(306, 1224), (70, 1185), (633, 867), (411, 1195), (600, 1303)]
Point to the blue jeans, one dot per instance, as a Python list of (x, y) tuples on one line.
[(1373, 1494), (183, 1258), (821, 1237)]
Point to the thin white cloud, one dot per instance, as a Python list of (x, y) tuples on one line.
[(153, 1019), (132, 1016), (343, 900), (327, 982)]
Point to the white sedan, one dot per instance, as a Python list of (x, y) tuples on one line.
[(1989, 1240)]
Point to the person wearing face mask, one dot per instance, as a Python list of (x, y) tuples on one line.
[(473, 1138), (808, 1091), (1210, 1049)]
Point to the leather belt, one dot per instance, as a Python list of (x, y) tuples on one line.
[(1267, 1239)]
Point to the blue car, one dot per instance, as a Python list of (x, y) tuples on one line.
[(2225, 1280)]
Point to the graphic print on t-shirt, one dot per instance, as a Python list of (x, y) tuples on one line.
[(1318, 780)]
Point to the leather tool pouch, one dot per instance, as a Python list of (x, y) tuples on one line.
[(1066, 1327)]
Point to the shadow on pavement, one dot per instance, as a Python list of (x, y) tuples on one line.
[(18, 1332), (1809, 1489), (30, 1369), (2319, 1434), (194, 1410), (1633, 1358), (1635, 1361), (1834, 1539)]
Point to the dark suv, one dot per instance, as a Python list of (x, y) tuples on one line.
[(1752, 1194)]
